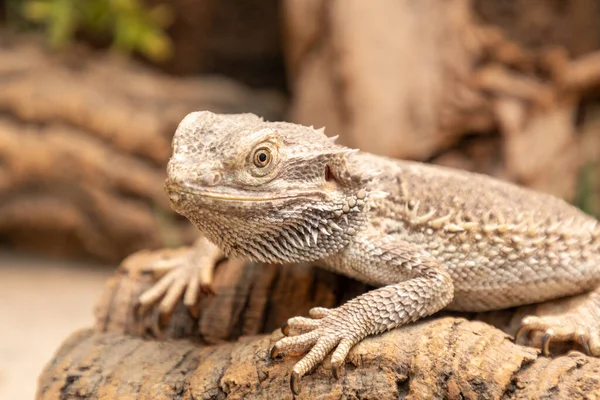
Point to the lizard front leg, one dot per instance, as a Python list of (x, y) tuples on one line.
[(416, 287), (184, 276)]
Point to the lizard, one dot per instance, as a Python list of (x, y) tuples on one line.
[(427, 237)]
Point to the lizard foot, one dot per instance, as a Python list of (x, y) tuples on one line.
[(562, 328), (186, 276), (326, 330)]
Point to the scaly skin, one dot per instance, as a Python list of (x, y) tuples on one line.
[(429, 237)]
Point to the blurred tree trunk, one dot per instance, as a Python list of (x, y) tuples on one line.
[(539, 24), (427, 81)]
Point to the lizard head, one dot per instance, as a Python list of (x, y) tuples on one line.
[(268, 191)]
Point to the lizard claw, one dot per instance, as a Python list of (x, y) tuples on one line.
[(285, 329), (295, 383), (522, 329), (337, 370), (584, 340), (274, 353), (160, 323), (318, 312), (139, 310), (546, 342)]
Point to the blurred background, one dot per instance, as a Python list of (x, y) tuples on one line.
[(91, 93)]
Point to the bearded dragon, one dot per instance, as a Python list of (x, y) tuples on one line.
[(429, 237)]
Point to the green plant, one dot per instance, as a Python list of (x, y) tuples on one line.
[(131, 25), (587, 197)]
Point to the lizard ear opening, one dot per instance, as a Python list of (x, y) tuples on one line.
[(328, 175), (338, 173)]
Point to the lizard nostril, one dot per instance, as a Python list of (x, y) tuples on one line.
[(216, 178), (174, 197)]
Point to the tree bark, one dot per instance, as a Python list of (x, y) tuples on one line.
[(446, 356), (249, 299)]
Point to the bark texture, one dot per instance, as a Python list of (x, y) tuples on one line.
[(447, 356), (428, 81), (249, 299), (84, 140)]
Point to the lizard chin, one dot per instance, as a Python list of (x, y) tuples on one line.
[(290, 226)]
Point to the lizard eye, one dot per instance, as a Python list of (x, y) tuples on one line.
[(262, 157), (262, 160)]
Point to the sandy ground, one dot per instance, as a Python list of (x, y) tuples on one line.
[(41, 303)]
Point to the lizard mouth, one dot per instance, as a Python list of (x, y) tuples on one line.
[(175, 189)]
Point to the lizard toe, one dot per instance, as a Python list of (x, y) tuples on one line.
[(185, 276), (157, 291), (299, 325), (319, 312), (294, 344), (339, 356), (172, 295), (315, 356)]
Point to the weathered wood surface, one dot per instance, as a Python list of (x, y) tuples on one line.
[(84, 141), (447, 356), (249, 299)]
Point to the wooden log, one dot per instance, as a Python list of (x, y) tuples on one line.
[(249, 299), (224, 353)]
